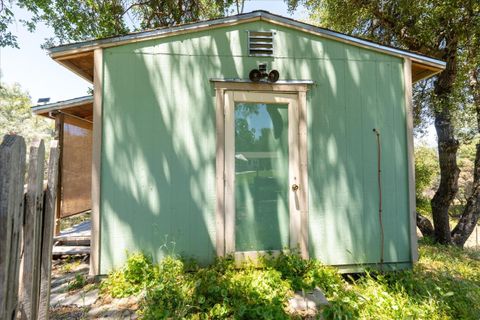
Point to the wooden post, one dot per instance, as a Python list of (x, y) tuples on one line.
[(32, 227), (412, 207), (303, 155), (48, 226), (59, 127), (96, 161), (12, 172), (220, 173)]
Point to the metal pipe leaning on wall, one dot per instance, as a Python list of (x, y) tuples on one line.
[(379, 179)]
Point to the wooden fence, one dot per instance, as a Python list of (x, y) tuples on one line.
[(27, 213)]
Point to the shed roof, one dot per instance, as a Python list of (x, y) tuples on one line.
[(79, 56), (79, 111)]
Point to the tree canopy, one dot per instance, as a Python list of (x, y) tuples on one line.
[(16, 116), (73, 20)]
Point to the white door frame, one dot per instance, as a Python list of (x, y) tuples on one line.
[(294, 95)]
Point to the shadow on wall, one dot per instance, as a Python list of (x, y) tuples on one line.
[(158, 162), (356, 90), (361, 90)]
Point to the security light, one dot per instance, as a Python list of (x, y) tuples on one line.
[(256, 75)]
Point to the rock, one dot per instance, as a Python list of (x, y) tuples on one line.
[(57, 298), (66, 278), (317, 297), (307, 302), (79, 299), (62, 288), (123, 308)]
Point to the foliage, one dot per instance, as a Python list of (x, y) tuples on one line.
[(427, 174), (426, 177), (466, 160), (7, 38), (78, 282), (16, 116), (445, 284), (426, 169), (70, 264), (73, 20), (137, 274)]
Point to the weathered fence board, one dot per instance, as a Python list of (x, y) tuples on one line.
[(48, 229), (32, 227), (12, 172), (27, 218)]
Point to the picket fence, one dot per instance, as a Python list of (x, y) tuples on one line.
[(27, 217)]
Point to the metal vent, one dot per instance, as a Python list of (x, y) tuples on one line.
[(260, 43)]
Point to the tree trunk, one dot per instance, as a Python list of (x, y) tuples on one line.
[(425, 226), (447, 150), (471, 213)]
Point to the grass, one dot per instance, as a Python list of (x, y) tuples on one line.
[(444, 284)]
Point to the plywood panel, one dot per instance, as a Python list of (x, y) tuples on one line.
[(158, 161)]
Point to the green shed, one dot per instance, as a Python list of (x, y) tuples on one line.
[(199, 150)]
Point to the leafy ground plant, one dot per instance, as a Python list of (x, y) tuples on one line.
[(78, 282), (445, 284)]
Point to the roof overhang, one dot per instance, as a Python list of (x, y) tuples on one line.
[(77, 111), (78, 57)]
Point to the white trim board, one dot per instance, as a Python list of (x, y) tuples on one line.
[(75, 48), (297, 163)]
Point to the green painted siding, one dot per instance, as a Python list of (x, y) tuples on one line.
[(158, 151)]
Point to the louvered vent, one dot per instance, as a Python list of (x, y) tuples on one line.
[(260, 43)]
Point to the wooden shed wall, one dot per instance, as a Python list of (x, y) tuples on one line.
[(158, 150)]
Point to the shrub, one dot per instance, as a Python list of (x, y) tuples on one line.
[(138, 274), (217, 292), (426, 169), (445, 284)]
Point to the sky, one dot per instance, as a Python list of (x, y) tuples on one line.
[(41, 77)]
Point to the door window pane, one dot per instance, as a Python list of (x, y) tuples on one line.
[(261, 177)]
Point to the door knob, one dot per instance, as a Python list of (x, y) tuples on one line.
[(294, 187)]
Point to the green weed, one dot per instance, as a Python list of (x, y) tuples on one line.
[(444, 284), (77, 283), (138, 274)]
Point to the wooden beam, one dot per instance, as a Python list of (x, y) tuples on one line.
[(59, 127), (407, 74), (96, 161), (246, 86), (294, 197), (77, 55), (70, 250), (220, 172), (229, 171), (77, 121), (303, 190)]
